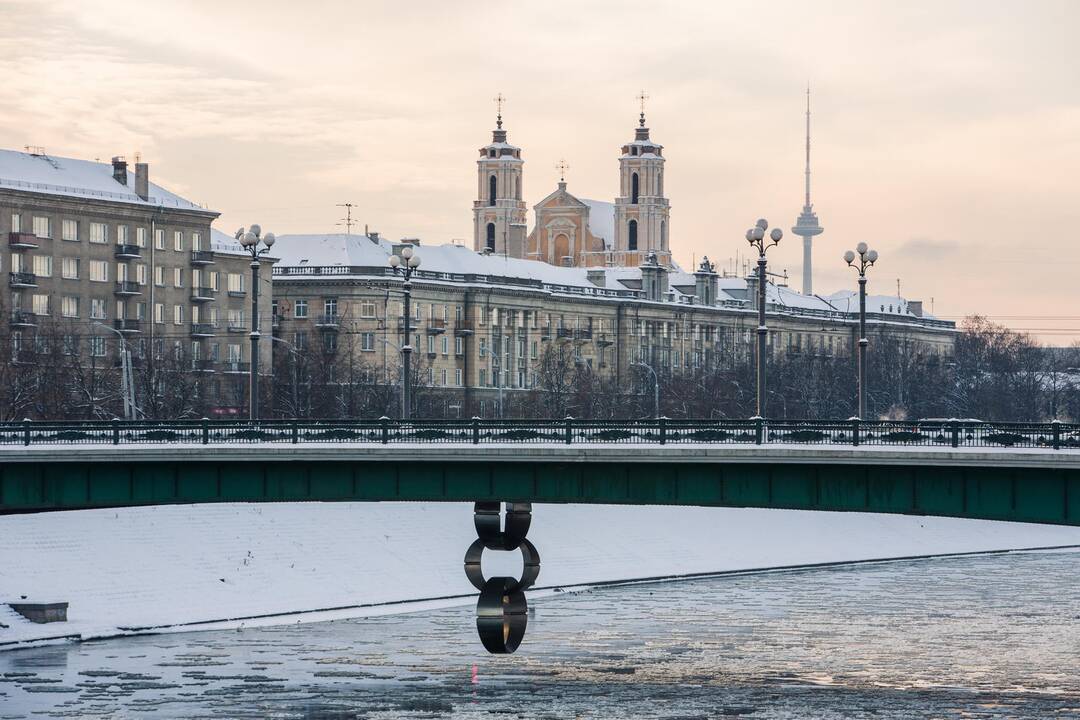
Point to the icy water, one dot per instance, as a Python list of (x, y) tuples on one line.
[(974, 637)]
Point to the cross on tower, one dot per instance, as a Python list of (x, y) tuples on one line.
[(499, 100), (642, 97), (562, 167)]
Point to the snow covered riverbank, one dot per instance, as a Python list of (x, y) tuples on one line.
[(210, 566)]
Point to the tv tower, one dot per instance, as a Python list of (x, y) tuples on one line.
[(807, 224)]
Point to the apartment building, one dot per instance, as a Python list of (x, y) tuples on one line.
[(98, 258), (481, 323)]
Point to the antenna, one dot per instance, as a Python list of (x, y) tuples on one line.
[(347, 220), (499, 100), (562, 167), (641, 98)]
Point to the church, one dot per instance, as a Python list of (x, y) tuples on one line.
[(569, 231)]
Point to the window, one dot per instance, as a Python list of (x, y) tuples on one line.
[(483, 378), (99, 233), (69, 230), (159, 239), (236, 283), (196, 241), (459, 346), (122, 234), (140, 310), (431, 344), (214, 284), (367, 309), (178, 240), (97, 309), (122, 272), (234, 353), (140, 273), (178, 277), (43, 265), (631, 235), (330, 342), (178, 314), (69, 344), (42, 227), (330, 307), (301, 308), (16, 222), (634, 186), (159, 276), (99, 271), (236, 319), (445, 345), (159, 313), (457, 377), (300, 341), (97, 346), (367, 342), (490, 242), (493, 184), (69, 306), (140, 237), (69, 268), (41, 304)]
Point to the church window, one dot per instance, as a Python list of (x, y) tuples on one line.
[(491, 236), (631, 242), (660, 184), (633, 151), (663, 235), (634, 188), (491, 190), (517, 188)]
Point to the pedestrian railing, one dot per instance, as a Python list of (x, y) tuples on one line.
[(568, 431)]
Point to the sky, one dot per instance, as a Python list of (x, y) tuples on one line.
[(946, 134)]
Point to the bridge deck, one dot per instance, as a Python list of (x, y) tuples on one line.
[(1030, 485)]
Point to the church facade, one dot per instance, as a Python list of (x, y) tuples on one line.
[(569, 231)]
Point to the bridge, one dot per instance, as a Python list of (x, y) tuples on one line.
[(1027, 472), (1021, 472)]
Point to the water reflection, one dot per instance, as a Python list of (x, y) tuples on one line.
[(989, 636)]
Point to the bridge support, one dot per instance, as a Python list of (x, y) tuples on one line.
[(501, 609)]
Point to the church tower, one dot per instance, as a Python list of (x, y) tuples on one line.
[(499, 211), (642, 213)]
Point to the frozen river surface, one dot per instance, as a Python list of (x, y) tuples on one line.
[(985, 636)]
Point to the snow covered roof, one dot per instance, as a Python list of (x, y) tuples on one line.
[(848, 301), (602, 220), (80, 178)]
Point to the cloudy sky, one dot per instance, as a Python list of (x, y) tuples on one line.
[(946, 133)]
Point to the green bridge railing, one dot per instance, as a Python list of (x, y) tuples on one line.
[(924, 433)]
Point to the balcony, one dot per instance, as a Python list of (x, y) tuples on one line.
[(127, 252), (203, 330), (204, 366), (126, 288), (237, 293), (23, 280), (235, 367), (236, 326), (22, 241), (126, 325), (202, 294), (202, 257), (23, 319), (435, 327), (328, 322), (464, 327)]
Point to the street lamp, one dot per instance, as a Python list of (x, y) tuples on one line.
[(127, 387), (406, 265), (251, 241), (756, 237), (656, 386), (861, 262)]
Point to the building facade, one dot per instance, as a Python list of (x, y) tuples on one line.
[(98, 258)]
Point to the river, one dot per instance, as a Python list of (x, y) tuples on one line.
[(975, 636)]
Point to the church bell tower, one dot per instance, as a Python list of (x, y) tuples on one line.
[(642, 213), (499, 211)]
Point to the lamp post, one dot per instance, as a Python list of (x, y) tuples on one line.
[(251, 241), (127, 388), (861, 261), (656, 387), (406, 265), (756, 237)]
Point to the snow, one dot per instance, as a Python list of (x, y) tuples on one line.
[(83, 178), (170, 565), (602, 221)]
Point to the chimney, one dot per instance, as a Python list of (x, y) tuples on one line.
[(915, 306), (597, 277), (119, 170), (142, 180), (706, 284), (654, 279)]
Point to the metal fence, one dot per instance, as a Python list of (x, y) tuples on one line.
[(925, 433)]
